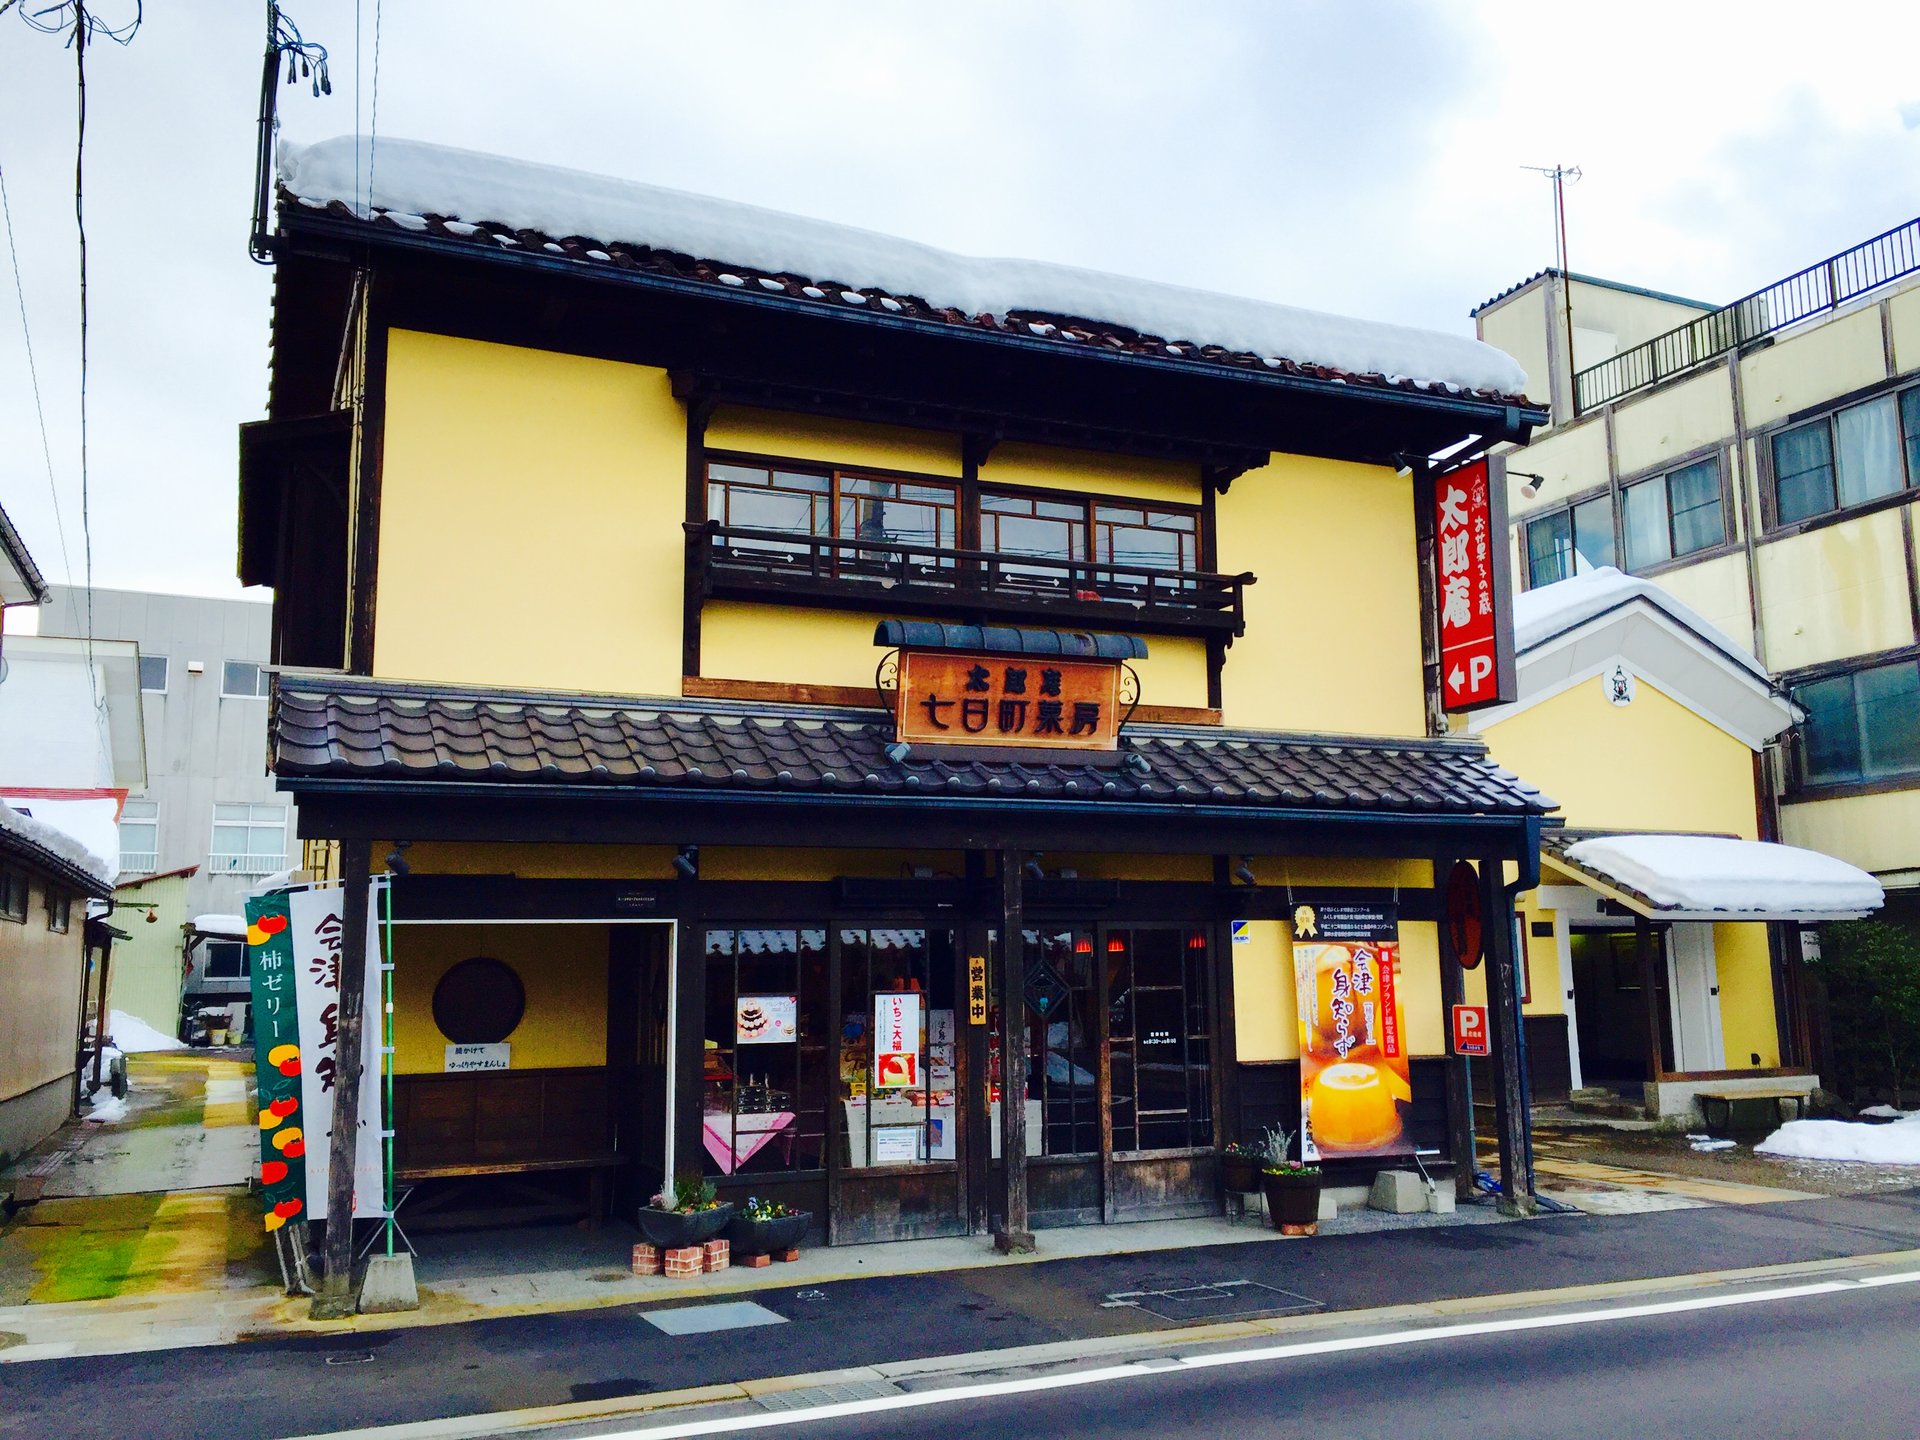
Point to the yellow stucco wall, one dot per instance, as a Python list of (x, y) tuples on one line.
[(1333, 624), (1717, 590), (1745, 968), (564, 970), (1655, 428), (1903, 316), (1571, 460), (832, 442), (1831, 359), (40, 978), (790, 645), (529, 519), (1836, 591), (1875, 832), (1547, 995), (1055, 469), (1651, 765)]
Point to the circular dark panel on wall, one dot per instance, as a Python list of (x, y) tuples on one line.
[(479, 1001)]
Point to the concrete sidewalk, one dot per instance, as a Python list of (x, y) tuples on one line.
[(363, 1374)]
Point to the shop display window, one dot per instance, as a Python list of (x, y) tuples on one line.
[(1159, 1031), (897, 1037), (765, 1066)]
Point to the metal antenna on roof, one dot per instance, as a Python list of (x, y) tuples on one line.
[(1560, 175)]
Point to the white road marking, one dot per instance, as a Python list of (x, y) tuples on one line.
[(1262, 1355)]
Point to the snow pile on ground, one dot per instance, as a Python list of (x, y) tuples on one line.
[(1710, 873), (47, 837), (1549, 610), (416, 179), (1887, 1112), (1896, 1144), (108, 1109), (133, 1035)]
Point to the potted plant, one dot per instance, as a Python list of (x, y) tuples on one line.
[(764, 1227), (1291, 1188), (689, 1213), (1240, 1166)]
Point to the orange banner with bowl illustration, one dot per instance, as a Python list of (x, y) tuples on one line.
[(1355, 1080)]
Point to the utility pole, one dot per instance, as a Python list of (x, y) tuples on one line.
[(1560, 175)]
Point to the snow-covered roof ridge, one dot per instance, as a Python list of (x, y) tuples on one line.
[(416, 180), (55, 844), (1716, 874), (234, 926), (1549, 610)]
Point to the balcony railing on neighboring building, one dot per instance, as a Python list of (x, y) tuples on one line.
[(1818, 288), (252, 867), (731, 562), (139, 862)]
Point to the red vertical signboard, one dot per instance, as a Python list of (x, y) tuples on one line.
[(1474, 591)]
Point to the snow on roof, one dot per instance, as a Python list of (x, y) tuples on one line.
[(417, 180), (1710, 874), (233, 926), (55, 842), (1541, 614)]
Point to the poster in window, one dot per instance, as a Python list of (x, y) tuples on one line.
[(1355, 1074), (896, 1040), (896, 1144), (766, 1019)]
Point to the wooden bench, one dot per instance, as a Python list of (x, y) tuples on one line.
[(1721, 1108), (596, 1166)]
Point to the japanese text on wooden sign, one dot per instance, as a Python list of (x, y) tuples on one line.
[(1028, 701), (1473, 591), (976, 989)]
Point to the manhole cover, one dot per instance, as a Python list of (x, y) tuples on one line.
[(1221, 1300), (703, 1319)]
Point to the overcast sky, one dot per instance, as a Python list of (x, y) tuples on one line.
[(1363, 158)]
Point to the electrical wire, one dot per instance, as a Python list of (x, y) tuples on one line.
[(373, 122), (33, 376)]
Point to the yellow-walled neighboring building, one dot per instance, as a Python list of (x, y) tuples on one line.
[(1651, 970), (808, 699)]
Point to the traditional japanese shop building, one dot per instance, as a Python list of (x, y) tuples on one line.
[(808, 669)]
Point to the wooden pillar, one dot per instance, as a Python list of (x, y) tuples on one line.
[(336, 1297), (1504, 1021), (1013, 1237), (973, 1097), (1459, 1085), (1649, 995)]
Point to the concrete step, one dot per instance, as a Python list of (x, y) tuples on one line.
[(1607, 1106)]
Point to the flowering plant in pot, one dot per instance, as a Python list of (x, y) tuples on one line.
[(1240, 1166), (764, 1226), (687, 1213), (1291, 1187)]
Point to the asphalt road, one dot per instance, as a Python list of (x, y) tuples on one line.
[(277, 1386), (1831, 1366)]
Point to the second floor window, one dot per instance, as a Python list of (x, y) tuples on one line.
[(153, 673), (248, 840), (1854, 455), (1674, 514), (837, 503), (59, 910), (13, 893), (226, 960), (1568, 541), (140, 837), (1863, 725)]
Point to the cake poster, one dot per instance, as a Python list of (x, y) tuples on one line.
[(896, 1040), (1355, 1086), (767, 1020)]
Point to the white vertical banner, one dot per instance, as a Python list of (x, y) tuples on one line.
[(314, 916)]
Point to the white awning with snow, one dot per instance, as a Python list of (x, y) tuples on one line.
[(1711, 877)]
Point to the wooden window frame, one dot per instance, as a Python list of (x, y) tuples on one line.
[(835, 475), (1799, 787), (1664, 473), (16, 893), (1547, 512), (58, 901)]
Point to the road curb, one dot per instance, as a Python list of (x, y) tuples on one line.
[(1103, 1347)]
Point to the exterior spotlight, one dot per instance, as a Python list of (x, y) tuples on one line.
[(686, 863), (1243, 872), (1034, 872), (397, 858), (1534, 482)]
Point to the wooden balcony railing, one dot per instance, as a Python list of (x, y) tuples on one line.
[(732, 562)]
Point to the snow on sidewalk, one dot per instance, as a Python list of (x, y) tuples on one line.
[(1894, 1144)]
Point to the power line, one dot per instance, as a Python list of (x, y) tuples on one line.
[(373, 122), (33, 376)]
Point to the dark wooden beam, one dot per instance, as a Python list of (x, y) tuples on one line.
[(1504, 1022), (371, 423), (1461, 1141), (1649, 996), (1014, 1237)]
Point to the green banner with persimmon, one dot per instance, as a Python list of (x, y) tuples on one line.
[(276, 1049)]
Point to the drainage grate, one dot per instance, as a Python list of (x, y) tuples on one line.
[(1221, 1300), (703, 1319), (828, 1395)]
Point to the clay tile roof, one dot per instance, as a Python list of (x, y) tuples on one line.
[(331, 727)]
